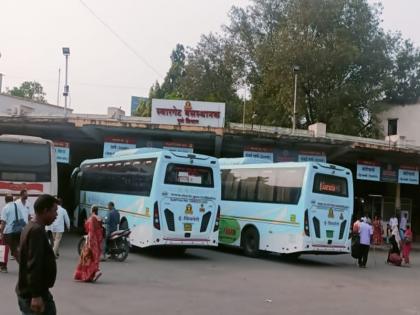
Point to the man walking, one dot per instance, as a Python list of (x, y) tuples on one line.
[(58, 227), (11, 225), (365, 232), (25, 206), (37, 266)]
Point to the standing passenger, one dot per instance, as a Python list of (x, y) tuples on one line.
[(12, 223), (111, 223), (58, 226), (37, 266), (408, 239), (365, 232), (25, 206)]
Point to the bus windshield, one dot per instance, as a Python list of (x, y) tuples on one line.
[(330, 185), (189, 175), (28, 162)]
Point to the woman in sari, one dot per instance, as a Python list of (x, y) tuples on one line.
[(408, 238), (88, 268), (394, 252), (377, 231)]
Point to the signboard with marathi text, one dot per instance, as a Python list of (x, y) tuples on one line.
[(178, 147), (367, 170), (310, 156), (408, 175), (259, 153), (62, 151), (115, 144), (188, 113)]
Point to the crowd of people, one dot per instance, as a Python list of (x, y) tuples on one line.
[(33, 234), (398, 235)]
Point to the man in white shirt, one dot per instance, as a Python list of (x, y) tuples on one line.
[(58, 226), (25, 206), (9, 214), (393, 222), (365, 232)]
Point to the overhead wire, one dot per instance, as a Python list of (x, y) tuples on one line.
[(122, 40)]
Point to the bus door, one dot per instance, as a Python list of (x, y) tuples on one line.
[(189, 202), (331, 207)]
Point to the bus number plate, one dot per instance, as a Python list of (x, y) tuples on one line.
[(187, 227), (330, 234)]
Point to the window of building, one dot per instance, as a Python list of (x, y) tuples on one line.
[(392, 127)]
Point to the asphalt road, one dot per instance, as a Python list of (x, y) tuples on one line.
[(227, 283)]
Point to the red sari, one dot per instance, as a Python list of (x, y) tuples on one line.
[(408, 238), (90, 256), (377, 232)]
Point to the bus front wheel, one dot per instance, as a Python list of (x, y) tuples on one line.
[(251, 242)]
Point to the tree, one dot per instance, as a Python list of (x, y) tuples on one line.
[(341, 51), (403, 85), (210, 75), (31, 90)]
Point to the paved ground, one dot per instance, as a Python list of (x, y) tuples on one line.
[(224, 282)]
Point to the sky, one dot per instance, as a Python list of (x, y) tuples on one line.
[(106, 71)]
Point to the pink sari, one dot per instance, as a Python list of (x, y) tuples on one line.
[(90, 257), (377, 232), (408, 238)]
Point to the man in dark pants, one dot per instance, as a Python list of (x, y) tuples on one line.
[(37, 266), (365, 232), (111, 223)]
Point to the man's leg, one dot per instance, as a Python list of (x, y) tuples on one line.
[(25, 305), (3, 265), (365, 255), (50, 308), (12, 240), (57, 241)]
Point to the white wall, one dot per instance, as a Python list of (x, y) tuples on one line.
[(408, 122), (16, 106)]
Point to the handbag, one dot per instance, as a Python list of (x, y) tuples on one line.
[(17, 224), (3, 254)]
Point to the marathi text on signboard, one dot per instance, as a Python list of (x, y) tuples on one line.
[(259, 153), (368, 171), (115, 144), (191, 113), (62, 152)]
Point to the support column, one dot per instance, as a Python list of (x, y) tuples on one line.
[(398, 197), (218, 146)]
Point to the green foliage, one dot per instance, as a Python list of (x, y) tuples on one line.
[(144, 109), (348, 65), (31, 90)]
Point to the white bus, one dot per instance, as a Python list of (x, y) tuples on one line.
[(27, 163), (164, 198), (287, 208)]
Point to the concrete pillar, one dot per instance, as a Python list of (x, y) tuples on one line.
[(218, 146), (398, 197)]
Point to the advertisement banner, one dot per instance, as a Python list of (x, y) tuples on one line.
[(188, 113), (367, 170), (114, 144), (408, 175), (62, 151), (389, 173), (259, 153)]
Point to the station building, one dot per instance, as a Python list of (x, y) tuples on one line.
[(385, 172)]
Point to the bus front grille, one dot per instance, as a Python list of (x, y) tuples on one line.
[(205, 222), (169, 216)]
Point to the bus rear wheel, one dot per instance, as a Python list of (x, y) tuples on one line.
[(250, 242)]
